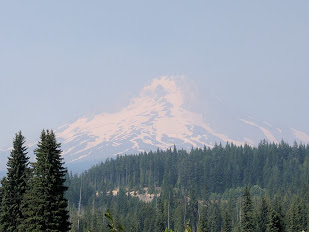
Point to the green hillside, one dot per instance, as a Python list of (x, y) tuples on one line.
[(164, 189)]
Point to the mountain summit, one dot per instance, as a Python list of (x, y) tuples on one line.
[(158, 118)]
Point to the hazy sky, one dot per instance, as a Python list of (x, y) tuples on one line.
[(63, 59)]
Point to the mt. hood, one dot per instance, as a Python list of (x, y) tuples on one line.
[(158, 118)]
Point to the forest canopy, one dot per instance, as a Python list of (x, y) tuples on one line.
[(152, 191)]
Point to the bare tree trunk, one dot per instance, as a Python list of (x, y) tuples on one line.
[(79, 203), (168, 214)]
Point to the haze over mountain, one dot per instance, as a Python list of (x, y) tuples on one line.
[(159, 117)]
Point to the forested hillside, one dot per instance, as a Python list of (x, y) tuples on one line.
[(165, 189)]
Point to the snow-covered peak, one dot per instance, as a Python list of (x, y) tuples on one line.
[(168, 88), (157, 118), (154, 119)]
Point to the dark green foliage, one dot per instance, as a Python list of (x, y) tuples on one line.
[(263, 216), (160, 221), (227, 220), (214, 217), (14, 185), (202, 226), (204, 185), (277, 207), (45, 208), (247, 222), (298, 215), (274, 222), (111, 224)]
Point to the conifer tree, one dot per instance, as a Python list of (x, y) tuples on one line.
[(274, 224), (14, 185), (297, 216), (214, 217), (159, 221), (263, 218), (277, 207), (45, 207), (203, 220), (247, 222), (227, 221)]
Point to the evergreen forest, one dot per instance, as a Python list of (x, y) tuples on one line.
[(220, 189), (224, 188)]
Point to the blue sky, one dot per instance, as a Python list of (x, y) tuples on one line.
[(62, 59)]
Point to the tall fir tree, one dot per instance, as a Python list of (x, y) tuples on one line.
[(297, 216), (45, 207), (214, 218), (274, 223), (159, 221), (263, 216), (227, 221), (247, 221), (202, 227), (14, 185)]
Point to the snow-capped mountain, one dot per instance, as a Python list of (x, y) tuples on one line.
[(159, 118)]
